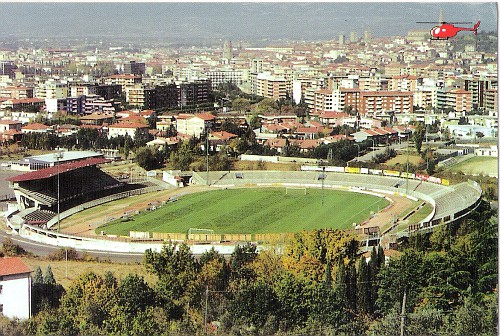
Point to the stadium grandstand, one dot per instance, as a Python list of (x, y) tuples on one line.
[(42, 194)]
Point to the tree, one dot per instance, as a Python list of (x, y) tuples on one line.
[(176, 269), (134, 295), (48, 278), (266, 105), (183, 157), (252, 306), (309, 251), (295, 298), (240, 263), (46, 293), (230, 127), (364, 303), (89, 302), (149, 158), (37, 276), (240, 104), (141, 138), (418, 137)]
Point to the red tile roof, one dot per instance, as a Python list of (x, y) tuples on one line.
[(27, 101), (13, 265), (331, 115), (53, 171), (36, 126), (129, 125), (223, 135), (10, 122), (206, 116)]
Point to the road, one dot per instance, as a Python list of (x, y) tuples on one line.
[(45, 250)]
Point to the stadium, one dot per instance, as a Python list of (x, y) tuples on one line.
[(44, 197)]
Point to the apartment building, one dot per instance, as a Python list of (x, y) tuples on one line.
[(16, 92), (134, 68), (138, 95), (7, 68), (271, 86), (194, 93), (83, 105), (458, 100), (383, 101), (479, 86), (323, 100), (425, 96), (23, 104), (123, 80), (404, 83), (82, 89), (491, 100), (125, 128), (220, 76), (109, 91), (52, 90)]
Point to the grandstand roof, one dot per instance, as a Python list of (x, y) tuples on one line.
[(53, 171), (64, 156)]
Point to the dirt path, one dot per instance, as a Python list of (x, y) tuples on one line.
[(386, 216)]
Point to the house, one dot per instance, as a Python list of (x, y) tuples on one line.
[(15, 288), (162, 143), (220, 139), (332, 119), (126, 128), (97, 119), (492, 151), (36, 128), (194, 124), (20, 104), (6, 125)]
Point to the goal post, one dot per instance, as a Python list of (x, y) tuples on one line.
[(295, 190), (200, 231)]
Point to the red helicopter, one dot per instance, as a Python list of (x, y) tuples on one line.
[(447, 30)]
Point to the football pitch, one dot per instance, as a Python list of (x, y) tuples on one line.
[(263, 210), (478, 165)]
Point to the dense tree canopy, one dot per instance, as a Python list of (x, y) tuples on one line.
[(316, 282)]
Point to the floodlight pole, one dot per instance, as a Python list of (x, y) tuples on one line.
[(58, 194), (357, 157), (206, 135), (407, 161), (323, 187)]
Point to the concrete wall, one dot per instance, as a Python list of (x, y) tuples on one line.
[(91, 244), (16, 296)]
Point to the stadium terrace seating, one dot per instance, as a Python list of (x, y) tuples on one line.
[(73, 184), (39, 217), (460, 197)]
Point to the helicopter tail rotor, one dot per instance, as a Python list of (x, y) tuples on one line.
[(476, 26)]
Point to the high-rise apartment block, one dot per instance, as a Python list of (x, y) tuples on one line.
[(134, 68)]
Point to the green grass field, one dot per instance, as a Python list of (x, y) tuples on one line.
[(478, 165), (264, 210)]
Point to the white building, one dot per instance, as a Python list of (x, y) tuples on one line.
[(125, 128), (194, 124), (492, 151), (15, 288)]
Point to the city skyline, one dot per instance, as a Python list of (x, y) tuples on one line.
[(174, 22)]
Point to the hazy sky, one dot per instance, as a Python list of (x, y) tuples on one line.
[(235, 21)]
